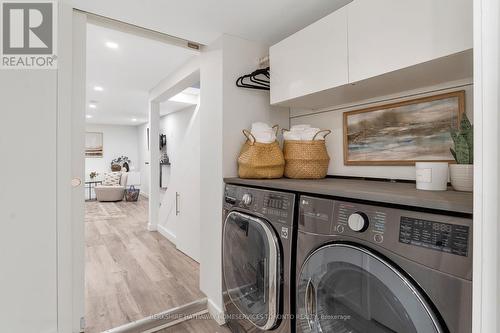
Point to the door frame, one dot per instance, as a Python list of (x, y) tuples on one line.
[(185, 77), (71, 108), (70, 169), (486, 251)]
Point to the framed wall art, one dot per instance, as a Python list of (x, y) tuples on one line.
[(403, 133), (93, 144)]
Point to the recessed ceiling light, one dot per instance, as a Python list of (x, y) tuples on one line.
[(88, 116), (134, 119), (112, 45), (92, 106), (98, 88)]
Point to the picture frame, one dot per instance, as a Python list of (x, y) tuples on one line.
[(94, 145), (403, 133)]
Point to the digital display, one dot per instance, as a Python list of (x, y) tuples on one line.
[(445, 237), (275, 202)]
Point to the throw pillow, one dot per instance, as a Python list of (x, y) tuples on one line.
[(112, 179)]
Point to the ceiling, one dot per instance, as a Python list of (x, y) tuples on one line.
[(202, 21), (126, 74)]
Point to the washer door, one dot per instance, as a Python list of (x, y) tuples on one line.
[(345, 288), (251, 268)]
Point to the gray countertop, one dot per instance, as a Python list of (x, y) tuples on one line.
[(371, 190)]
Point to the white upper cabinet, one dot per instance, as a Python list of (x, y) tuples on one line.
[(311, 60), (387, 35), (394, 43)]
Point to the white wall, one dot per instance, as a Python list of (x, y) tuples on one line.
[(183, 177), (333, 120), (224, 111), (118, 140), (28, 282)]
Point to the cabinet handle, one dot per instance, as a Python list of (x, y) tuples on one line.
[(177, 210)]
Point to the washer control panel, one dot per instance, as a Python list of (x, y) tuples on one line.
[(276, 206)]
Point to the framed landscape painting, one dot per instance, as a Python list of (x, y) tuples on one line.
[(403, 133), (93, 144)]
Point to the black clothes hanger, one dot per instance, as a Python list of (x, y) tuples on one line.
[(258, 79)]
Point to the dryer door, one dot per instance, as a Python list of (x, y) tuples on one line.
[(251, 268), (345, 288)]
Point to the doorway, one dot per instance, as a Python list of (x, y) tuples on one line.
[(131, 271)]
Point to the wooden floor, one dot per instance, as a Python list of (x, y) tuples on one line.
[(202, 325), (131, 273)]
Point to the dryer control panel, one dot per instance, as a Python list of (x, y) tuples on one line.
[(360, 218), (440, 241), (275, 206)]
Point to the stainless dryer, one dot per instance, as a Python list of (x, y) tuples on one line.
[(256, 259), (370, 269)]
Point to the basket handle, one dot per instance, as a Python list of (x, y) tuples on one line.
[(276, 129), (249, 136), (327, 132)]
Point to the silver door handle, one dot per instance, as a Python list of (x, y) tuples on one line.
[(177, 210), (310, 304)]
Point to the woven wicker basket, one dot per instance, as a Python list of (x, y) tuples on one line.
[(260, 160), (306, 159)]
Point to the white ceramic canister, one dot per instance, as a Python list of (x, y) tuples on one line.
[(432, 176)]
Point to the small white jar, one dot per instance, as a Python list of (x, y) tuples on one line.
[(432, 176)]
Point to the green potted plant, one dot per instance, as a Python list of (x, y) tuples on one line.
[(462, 172)]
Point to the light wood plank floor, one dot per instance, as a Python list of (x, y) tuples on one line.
[(131, 273), (205, 325)]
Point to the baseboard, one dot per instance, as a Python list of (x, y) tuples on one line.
[(166, 233), (152, 227), (216, 312), (144, 194), (164, 319)]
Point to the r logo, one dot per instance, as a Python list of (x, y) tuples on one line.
[(27, 28)]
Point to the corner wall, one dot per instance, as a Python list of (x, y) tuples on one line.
[(224, 111)]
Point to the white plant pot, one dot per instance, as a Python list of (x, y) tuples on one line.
[(432, 176), (462, 177)]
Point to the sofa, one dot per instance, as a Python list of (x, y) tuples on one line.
[(106, 193)]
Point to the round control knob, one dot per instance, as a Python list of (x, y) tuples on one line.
[(358, 222), (378, 238), (246, 199)]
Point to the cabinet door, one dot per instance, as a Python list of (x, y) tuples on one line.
[(311, 60), (387, 35)]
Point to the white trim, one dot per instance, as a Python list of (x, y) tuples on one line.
[(154, 165), (167, 233), (486, 260), (70, 201), (163, 319), (216, 312), (111, 23), (177, 322)]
